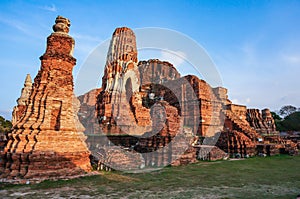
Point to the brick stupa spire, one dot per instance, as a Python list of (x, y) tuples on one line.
[(19, 110), (48, 141)]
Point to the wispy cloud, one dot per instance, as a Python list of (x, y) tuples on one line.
[(85, 43), (15, 24), (6, 114), (86, 37), (241, 101), (51, 8), (24, 28), (175, 58), (249, 53), (291, 58)]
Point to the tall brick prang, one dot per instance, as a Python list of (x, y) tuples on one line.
[(120, 83)]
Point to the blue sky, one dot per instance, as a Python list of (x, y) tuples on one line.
[(254, 44)]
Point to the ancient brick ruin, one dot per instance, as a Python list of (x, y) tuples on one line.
[(249, 132), (47, 140), (262, 122), (144, 115), (23, 101), (147, 107)]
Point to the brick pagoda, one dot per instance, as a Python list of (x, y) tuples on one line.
[(48, 141)]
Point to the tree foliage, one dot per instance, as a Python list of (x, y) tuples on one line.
[(5, 125), (276, 116), (287, 110), (289, 123)]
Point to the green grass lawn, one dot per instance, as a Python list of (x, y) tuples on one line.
[(270, 177)]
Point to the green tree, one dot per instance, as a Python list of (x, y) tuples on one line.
[(287, 110), (291, 122), (276, 116), (5, 125)]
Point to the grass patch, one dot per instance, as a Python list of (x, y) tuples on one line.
[(270, 177)]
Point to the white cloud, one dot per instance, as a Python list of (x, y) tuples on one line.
[(241, 101), (28, 29), (174, 57), (291, 59), (85, 44), (15, 24), (51, 8), (6, 114), (249, 54), (248, 100), (86, 37), (235, 101)]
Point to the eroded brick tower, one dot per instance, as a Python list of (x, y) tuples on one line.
[(48, 141), (117, 108)]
